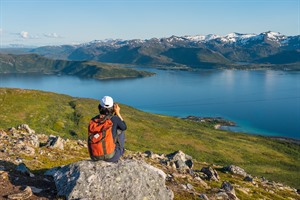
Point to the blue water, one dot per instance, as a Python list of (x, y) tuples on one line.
[(260, 102)]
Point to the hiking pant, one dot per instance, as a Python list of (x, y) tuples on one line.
[(119, 151)]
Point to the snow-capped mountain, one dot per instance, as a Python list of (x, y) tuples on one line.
[(230, 38), (236, 39), (195, 51)]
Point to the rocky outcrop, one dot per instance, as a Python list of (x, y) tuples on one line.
[(21, 151), (128, 179)]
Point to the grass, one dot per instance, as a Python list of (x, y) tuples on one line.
[(68, 117)]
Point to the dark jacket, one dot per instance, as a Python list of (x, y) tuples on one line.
[(118, 129), (118, 124)]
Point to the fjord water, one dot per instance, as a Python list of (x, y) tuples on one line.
[(260, 102)]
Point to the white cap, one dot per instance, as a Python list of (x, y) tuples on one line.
[(107, 102)]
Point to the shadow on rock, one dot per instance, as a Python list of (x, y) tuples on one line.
[(20, 183)]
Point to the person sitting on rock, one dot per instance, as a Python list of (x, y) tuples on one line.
[(108, 123)]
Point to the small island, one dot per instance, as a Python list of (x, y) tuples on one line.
[(32, 63)]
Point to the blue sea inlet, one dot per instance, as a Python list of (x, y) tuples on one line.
[(260, 102)]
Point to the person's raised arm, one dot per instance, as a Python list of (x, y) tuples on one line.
[(117, 111)]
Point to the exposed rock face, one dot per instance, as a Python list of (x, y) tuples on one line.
[(128, 179)]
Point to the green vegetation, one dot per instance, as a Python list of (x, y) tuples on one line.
[(32, 63), (196, 57), (68, 117)]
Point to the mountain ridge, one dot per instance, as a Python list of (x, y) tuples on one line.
[(234, 47)]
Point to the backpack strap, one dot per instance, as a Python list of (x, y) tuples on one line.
[(103, 142), (117, 138), (102, 120)]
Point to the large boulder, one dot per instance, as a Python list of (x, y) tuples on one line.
[(127, 179)]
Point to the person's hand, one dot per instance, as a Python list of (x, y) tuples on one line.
[(116, 108)]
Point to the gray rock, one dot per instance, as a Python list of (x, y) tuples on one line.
[(52, 171), (203, 196), (82, 143), (235, 170), (36, 190), (34, 140), (24, 170), (127, 179), (248, 178), (229, 190), (183, 186), (189, 186), (221, 195), (227, 186), (55, 142), (201, 182), (26, 128), (211, 173), (181, 160), (25, 194), (149, 154)]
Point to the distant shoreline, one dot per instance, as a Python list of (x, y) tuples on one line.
[(285, 139), (220, 122)]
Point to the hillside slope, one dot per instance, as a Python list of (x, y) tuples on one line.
[(32, 63), (68, 117), (26, 173)]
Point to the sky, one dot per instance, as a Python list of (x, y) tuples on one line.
[(57, 22)]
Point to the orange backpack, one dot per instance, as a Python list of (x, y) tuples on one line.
[(101, 143)]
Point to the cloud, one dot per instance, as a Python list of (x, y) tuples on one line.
[(27, 35), (52, 35), (24, 34)]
